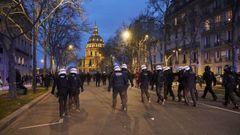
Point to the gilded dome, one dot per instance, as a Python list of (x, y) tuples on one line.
[(95, 37)]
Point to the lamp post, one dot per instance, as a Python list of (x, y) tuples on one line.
[(141, 45), (126, 36), (175, 51)]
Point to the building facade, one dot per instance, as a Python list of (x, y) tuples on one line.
[(23, 51), (93, 54), (200, 30)]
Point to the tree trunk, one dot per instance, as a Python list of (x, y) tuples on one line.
[(235, 7), (45, 59), (12, 93), (34, 83)]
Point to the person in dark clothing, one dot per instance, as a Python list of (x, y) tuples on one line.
[(189, 85), (74, 84), (144, 83), (127, 74), (118, 83), (168, 80), (229, 83), (151, 78), (88, 77), (19, 83), (180, 83), (98, 79), (209, 78), (47, 81), (61, 82), (104, 78), (159, 81)]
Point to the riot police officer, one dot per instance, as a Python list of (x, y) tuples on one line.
[(159, 81), (118, 83), (74, 83), (189, 85), (180, 72), (229, 82), (144, 83), (98, 79), (127, 74), (61, 82), (209, 78), (168, 80)]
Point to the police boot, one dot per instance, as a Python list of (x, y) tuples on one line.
[(158, 100)]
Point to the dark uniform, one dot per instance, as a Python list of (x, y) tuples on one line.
[(104, 78), (209, 78), (180, 84), (144, 83), (61, 82), (88, 76), (74, 84), (98, 79), (190, 86), (230, 83), (159, 81), (168, 80), (118, 83)]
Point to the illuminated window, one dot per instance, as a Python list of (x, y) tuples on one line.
[(218, 19), (229, 15), (175, 21), (207, 25)]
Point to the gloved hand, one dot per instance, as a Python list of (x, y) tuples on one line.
[(109, 89), (82, 90), (52, 92), (132, 85)]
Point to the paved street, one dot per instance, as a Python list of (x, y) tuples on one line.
[(96, 118)]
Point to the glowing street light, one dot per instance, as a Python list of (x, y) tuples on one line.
[(126, 35), (42, 60), (70, 47)]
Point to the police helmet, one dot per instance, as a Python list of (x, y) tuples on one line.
[(73, 71), (117, 68), (158, 67), (166, 68), (180, 68), (124, 66), (187, 68), (143, 67), (62, 71)]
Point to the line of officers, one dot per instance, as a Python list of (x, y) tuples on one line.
[(69, 86), (163, 79)]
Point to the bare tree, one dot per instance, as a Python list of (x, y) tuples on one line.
[(235, 9)]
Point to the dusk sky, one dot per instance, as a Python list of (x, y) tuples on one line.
[(109, 16)]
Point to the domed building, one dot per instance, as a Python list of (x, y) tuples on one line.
[(94, 55)]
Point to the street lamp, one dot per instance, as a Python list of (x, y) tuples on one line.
[(173, 52), (42, 61), (126, 35), (70, 47)]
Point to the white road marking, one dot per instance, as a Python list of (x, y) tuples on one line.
[(219, 108), (42, 125)]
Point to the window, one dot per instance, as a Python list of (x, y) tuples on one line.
[(91, 53), (229, 36), (206, 56), (217, 54), (217, 38), (207, 25), (184, 58), (175, 21), (207, 42), (229, 16), (218, 19)]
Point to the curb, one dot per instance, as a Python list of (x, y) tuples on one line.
[(15, 115)]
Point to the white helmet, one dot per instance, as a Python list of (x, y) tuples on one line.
[(73, 70), (143, 67), (62, 71), (158, 67), (186, 68), (117, 68), (124, 66), (166, 68), (180, 68)]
